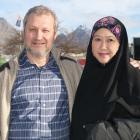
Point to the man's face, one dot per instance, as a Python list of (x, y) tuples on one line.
[(39, 34)]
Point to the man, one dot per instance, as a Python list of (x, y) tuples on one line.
[(37, 88)]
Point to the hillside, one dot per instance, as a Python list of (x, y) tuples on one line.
[(8, 35), (6, 32), (76, 40)]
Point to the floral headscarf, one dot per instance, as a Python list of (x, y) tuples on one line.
[(111, 24)]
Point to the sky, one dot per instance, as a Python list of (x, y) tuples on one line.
[(72, 13)]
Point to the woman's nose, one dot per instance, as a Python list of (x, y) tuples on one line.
[(103, 44)]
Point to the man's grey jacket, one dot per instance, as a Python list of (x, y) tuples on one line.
[(69, 68)]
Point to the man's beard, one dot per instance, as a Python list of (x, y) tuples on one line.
[(37, 53)]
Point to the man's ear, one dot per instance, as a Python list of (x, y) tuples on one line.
[(22, 34), (55, 35)]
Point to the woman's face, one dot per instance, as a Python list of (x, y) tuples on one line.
[(104, 45)]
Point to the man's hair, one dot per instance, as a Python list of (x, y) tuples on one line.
[(40, 10)]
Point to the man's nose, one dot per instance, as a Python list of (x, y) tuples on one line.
[(39, 35)]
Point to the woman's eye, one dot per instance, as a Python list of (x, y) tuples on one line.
[(110, 40), (97, 39)]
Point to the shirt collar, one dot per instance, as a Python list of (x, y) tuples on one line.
[(24, 61)]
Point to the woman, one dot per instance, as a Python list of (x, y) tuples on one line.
[(109, 87)]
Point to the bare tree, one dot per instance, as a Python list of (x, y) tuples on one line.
[(14, 45)]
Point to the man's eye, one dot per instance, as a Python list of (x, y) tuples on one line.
[(32, 29), (45, 31)]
